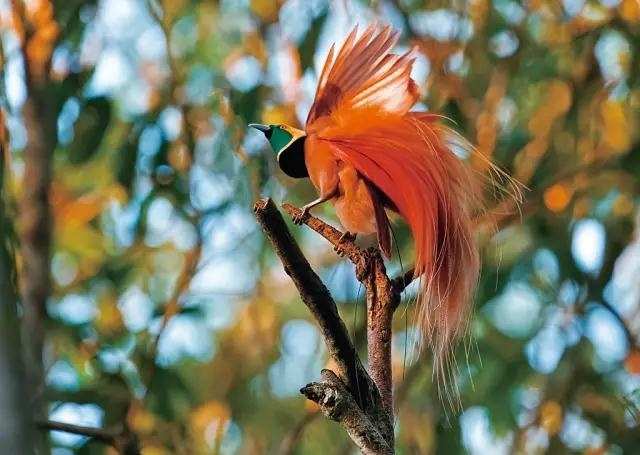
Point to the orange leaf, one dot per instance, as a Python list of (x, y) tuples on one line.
[(632, 362), (557, 197)]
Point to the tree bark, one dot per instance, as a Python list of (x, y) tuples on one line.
[(15, 412), (362, 402), (35, 242)]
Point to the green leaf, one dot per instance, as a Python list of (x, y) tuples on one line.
[(89, 129), (124, 164)]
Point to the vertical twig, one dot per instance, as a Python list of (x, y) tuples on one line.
[(380, 308)]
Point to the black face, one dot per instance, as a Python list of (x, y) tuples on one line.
[(290, 154), (291, 160)]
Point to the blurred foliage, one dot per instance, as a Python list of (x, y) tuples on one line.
[(169, 311)]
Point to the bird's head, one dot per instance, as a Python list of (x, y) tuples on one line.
[(288, 143)]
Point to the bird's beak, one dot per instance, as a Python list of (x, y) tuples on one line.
[(258, 126)]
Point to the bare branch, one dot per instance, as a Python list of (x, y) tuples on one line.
[(372, 395), (383, 297), (337, 403), (122, 440), (334, 236), (399, 284), (317, 298), (99, 434), (382, 300)]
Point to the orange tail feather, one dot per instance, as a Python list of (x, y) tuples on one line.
[(411, 161), (361, 115)]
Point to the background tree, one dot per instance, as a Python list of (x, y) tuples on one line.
[(155, 315)]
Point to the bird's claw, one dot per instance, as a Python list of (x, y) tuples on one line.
[(345, 237), (299, 217)]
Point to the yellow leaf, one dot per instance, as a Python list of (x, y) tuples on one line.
[(78, 212), (556, 33), (109, 320), (41, 41), (623, 205), (207, 422), (141, 421), (478, 10), (83, 241), (551, 417), (266, 10), (171, 10), (179, 157), (615, 127), (557, 101), (528, 158), (630, 10), (559, 96), (253, 45), (540, 123), (534, 5), (154, 450), (275, 115)]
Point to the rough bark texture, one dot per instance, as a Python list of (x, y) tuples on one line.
[(362, 402), (318, 300), (336, 402), (380, 305), (383, 297)]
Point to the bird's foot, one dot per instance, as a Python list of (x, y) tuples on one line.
[(345, 237), (299, 217)]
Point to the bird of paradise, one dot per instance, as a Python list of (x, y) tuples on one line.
[(366, 152)]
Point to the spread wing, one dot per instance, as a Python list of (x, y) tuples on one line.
[(363, 76), (360, 85)]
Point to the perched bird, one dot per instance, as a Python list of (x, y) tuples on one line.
[(365, 151)]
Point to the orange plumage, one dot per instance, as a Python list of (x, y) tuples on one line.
[(366, 152)]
